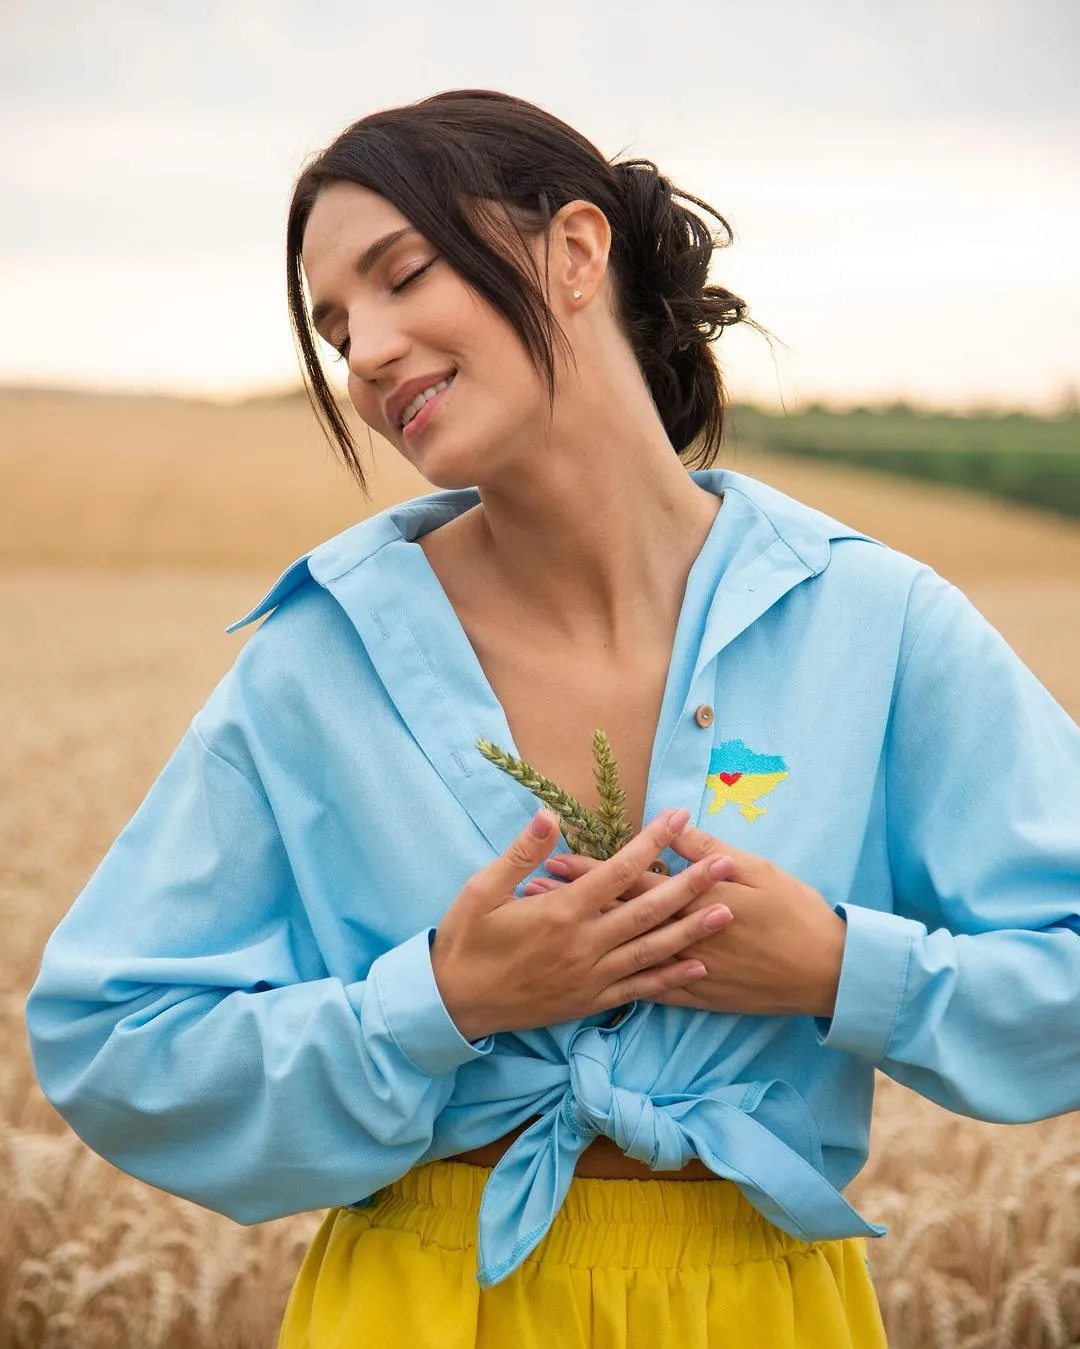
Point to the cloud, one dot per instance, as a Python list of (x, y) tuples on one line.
[(987, 59), (892, 173)]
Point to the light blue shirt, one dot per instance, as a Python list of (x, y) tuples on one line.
[(240, 1008)]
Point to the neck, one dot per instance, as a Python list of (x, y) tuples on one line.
[(594, 550)]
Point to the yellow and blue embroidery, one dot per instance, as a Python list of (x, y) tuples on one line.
[(741, 775)]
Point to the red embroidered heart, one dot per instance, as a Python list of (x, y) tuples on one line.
[(729, 778)]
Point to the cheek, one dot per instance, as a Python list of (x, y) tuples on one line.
[(492, 352), (509, 376), (366, 406)]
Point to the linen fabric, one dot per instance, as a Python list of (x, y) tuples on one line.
[(240, 1006)]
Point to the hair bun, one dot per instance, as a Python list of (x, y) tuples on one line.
[(662, 256), (670, 249)]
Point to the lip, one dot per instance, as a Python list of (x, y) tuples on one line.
[(417, 424), (403, 395)]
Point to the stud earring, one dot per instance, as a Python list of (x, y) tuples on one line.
[(577, 294)]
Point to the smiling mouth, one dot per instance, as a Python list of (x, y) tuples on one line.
[(428, 408), (412, 409)]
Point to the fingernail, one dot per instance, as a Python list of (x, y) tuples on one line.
[(540, 824), (678, 820), (716, 918), (557, 868), (717, 868)]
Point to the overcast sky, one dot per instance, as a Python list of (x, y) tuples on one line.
[(903, 180)]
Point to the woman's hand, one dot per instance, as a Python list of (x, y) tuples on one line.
[(503, 963), (779, 956)]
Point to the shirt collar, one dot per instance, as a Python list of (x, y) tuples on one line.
[(804, 532)]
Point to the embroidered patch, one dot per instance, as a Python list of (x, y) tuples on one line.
[(741, 775)]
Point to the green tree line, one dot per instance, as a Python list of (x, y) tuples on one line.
[(1014, 455)]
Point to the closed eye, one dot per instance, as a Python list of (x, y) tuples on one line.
[(410, 278), (343, 349)]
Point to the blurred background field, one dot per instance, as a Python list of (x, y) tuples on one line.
[(903, 187), (132, 530)]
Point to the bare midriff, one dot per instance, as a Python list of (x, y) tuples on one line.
[(601, 1160)]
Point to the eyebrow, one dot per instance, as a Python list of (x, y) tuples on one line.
[(368, 258)]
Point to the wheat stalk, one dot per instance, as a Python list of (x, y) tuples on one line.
[(598, 835)]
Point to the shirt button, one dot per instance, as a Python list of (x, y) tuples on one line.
[(704, 715), (660, 867)]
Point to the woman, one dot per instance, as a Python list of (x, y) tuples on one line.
[(619, 1108)]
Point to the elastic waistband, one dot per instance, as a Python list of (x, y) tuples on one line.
[(628, 1223)]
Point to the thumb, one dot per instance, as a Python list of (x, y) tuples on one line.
[(523, 856)]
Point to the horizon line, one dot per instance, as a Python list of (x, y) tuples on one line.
[(1065, 406)]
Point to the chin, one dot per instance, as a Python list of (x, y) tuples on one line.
[(447, 479), (445, 471)]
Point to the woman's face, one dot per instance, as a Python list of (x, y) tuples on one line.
[(398, 313)]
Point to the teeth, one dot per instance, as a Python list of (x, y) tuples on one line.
[(421, 398)]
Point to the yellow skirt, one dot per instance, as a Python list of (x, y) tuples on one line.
[(627, 1264)]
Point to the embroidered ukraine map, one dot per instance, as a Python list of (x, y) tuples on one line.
[(741, 775)]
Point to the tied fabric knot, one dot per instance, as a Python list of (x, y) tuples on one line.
[(528, 1186), (594, 1104), (760, 1135)]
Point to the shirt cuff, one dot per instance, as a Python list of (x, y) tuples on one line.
[(404, 983), (873, 976)]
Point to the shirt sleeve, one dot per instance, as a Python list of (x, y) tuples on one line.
[(968, 991), (184, 1024)]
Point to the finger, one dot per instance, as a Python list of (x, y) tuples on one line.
[(648, 912), (615, 875), (541, 885), (496, 882), (568, 868), (665, 942), (545, 884), (694, 844), (650, 984), (643, 883), (572, 865)]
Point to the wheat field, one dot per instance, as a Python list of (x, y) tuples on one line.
[(131, 532)]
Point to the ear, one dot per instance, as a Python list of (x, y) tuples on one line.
[(581, 242)]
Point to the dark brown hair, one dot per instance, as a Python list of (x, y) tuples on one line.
[(443, 160)]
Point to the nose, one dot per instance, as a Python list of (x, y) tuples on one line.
[(375, 342)]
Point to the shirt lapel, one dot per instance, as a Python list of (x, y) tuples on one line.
[(761, 545)]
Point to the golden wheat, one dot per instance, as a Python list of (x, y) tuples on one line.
[(101, 667)]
